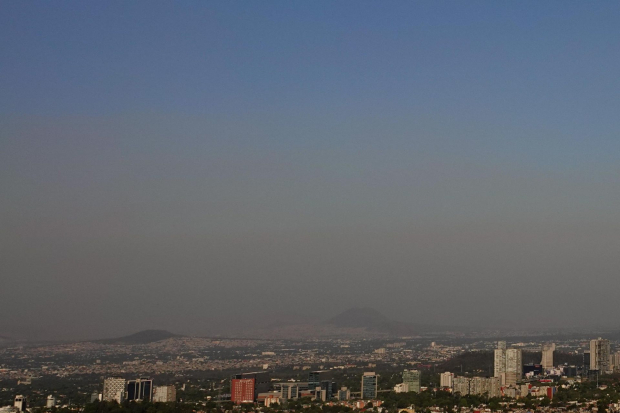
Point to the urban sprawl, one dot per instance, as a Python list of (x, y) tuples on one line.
[(330, 375)]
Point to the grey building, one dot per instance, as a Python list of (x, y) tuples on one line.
[(369, 386), (600, 356)]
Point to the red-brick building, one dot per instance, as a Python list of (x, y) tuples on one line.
[(242, 391)]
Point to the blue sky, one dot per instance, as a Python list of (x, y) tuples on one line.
[(145, 129)]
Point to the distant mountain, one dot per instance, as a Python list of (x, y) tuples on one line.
[(141, 337), (5, 341), (360, 318), (375, 322)]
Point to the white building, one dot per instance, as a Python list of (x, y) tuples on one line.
[(114, 389), (514, 366), (272, 400), (165, 394), (499, 359), (508, 364), (401, 388), (20, 403), (445, 379), (51, 401), (547, 356)]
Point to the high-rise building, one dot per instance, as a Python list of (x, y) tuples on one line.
[(412, 379), (246, 386), (508, 364), (329, 387), (140, 390), (165, 394), (344, 394), (114, 389), (600, 356), (369, 386), (20, 403), (445, 379), (547, 355), (514, 366), (499, 361)]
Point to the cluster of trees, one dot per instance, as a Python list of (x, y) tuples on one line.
[(427, 399), (126, 407)]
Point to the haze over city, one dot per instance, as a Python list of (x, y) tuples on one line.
[(210, 167)]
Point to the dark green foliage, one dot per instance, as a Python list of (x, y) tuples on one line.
[(132, 407)]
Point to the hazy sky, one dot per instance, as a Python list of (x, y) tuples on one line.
[(190, 165)]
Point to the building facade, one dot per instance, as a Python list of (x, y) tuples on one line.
[(322, 379), (514, 366), (114, 389), (600, 356), (547, 356), (489, 386), (344, 394), (412, 379), (445, 379), (461, 385), (401, 388), (242, 391), (20, 403), (508, 364), (499, 361), (259, 382), (140, 390), (369, 386), (288, 391), (165, 394)]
